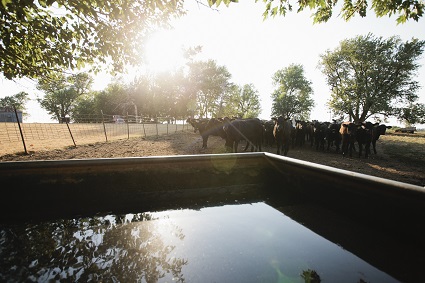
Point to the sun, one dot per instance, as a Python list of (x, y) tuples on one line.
[(163, 52)]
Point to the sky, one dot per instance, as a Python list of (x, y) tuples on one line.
[(253, 49)]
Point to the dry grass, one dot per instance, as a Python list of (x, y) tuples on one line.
[(406, 148)]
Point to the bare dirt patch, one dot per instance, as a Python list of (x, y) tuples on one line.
[(188, 143)]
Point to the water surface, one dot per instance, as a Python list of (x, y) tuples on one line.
[(229, 243)]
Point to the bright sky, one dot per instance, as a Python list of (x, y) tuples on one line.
[(253, 49)]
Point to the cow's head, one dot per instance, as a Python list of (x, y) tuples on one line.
[(382, 129), (349, 128)]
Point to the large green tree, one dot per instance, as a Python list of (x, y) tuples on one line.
[(39, 36), (371, 75), (15, 101), (210, 82), (243, 102), (61, 93), (323, 9), (292, 96)]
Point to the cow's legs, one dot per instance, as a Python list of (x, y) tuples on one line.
[(374, 146), (204, 141), (236, 146), (246, 146), (285, 149), (278, 147)]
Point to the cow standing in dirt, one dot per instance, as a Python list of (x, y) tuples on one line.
[(282, 133), (208, 127), (251, 130)]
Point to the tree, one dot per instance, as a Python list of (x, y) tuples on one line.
[(85, 110), (370, 75), (243, 102), (166, 91), (61, 93), (15, 101), (141, 90), (39, 36), (323, 10), (210, 82), (412, 114), (291, 98)]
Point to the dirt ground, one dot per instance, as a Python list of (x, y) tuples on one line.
[(187, 143)]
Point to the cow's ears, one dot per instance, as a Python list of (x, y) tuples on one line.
[(389, 127)]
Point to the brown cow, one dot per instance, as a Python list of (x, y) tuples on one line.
[(348, 131)]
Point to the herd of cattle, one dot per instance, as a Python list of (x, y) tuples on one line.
[(286, 134)]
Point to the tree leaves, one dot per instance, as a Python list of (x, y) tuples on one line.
[(291, 98), (370, 75), (55, 35), (323, 9)]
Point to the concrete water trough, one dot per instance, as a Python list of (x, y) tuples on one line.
[(379, 223)]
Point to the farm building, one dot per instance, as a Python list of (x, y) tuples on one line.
[(8, 115)]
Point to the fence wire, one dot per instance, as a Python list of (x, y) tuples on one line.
[(43, 136)]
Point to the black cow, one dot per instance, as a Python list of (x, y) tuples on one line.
[(268, 132), (310, 132), (208, 127), (364, 137), (367, 134), (282, 133), (320, 129), (377, 131), (333, 136), (300, 132), (197, 123), (251, 130)]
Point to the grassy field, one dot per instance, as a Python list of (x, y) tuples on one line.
[(406, 148)]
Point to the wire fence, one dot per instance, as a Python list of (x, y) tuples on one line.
[(23, 137)]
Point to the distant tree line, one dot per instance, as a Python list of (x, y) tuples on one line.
[(201, 88), (368, 77)]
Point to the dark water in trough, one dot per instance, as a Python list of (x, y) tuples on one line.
[(252, 242)]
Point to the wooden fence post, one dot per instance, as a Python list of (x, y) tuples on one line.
[(20, 130), (69, 130), (128, 129), (104, 128)]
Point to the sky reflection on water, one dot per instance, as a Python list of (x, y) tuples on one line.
[(230, 243)]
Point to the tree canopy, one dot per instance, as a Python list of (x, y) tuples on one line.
[(15, 101), (210, 84), (323, 10), (62, 92), (40, 36), (242, 102), (291, 98), (370, 75), (205, 90)]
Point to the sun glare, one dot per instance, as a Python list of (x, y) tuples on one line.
[(163, 52)]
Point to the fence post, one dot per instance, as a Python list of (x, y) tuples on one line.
[(20, 130), (144, 131), (69, 130), (104, 128), (128, 129)]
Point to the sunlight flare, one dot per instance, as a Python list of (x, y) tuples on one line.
[(164, 52)]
